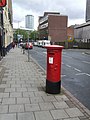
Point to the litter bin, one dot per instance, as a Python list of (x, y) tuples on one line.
[(53, 77)]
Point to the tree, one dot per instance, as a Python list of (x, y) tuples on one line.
[(34, 35), (20, 32)]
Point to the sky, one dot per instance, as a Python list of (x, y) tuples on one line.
[(74, 9)]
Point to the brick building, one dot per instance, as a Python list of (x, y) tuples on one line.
[(53, 26)]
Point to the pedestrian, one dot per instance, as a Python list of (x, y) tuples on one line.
[(16, 44), (13, 45)]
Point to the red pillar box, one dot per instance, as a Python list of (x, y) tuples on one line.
[(53, 78)]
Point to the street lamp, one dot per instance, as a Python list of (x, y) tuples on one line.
[(28, 32), (28, 48), (18, 33)]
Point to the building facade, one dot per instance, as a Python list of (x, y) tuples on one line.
[(29, 22), (1, 31), (6, 35), (53, 26), (88, 10), (8, 27), (82, 32)]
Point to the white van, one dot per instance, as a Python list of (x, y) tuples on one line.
[(39, 43), (45, 43)]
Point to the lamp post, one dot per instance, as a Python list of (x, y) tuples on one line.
[(18, 33), (28, 48), (28, 32)]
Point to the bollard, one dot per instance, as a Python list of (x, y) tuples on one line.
[(53, 77)]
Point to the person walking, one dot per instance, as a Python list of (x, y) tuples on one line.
[(13, 45)]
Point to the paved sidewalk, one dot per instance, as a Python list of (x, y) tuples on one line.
[(23, 97)]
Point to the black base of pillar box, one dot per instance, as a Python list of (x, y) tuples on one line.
[(53, 87)]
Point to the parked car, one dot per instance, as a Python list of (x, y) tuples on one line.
[(28, 45)]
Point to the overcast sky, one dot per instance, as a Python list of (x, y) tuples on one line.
[(74, 9)]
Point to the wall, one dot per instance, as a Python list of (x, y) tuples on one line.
[(57, 28)]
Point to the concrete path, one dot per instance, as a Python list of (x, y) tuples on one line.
[(23, 96)]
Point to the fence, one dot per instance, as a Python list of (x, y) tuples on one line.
[(75, 45)]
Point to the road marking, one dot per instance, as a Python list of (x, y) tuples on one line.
[(77, 69), (87, 74), (64, 52), (82, 52), (68, 66), (80, 74), (85, 53), (86, 62), (63, 75), (67, 56), (83, 74), (45, 52)]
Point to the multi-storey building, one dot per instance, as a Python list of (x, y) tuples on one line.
[(53, 26), (88, 10), (82, 32), (29, 22)]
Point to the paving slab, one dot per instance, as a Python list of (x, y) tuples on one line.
[(46, 106), (26, 116), (16, 94), (7, 116), (72, 119), (59, 114), (36, 99), (23, 100), (8, 101), (74, 112), (4, 95), (32, 107), (3, 108), (16, 108), (61, 105), (43, 115)]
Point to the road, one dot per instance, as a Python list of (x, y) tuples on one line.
[(75, 75)]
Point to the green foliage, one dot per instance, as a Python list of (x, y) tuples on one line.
[(20, 32), (34, 35), (74, 41)]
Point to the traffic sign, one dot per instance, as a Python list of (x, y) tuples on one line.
[(2, 3)]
